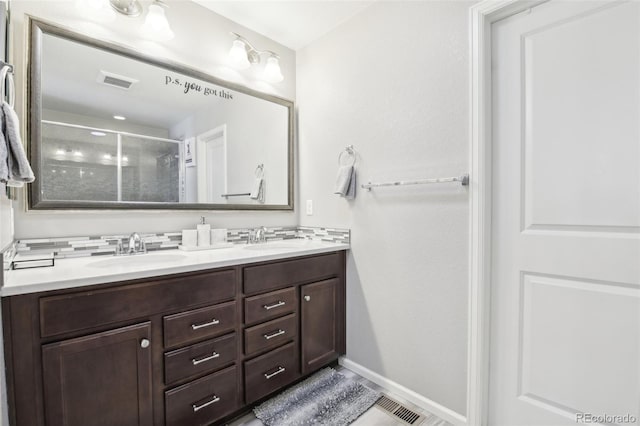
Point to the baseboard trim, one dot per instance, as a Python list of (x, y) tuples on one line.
[(425, 403)]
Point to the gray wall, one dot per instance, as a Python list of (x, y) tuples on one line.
[(202, 41), (392, 81)]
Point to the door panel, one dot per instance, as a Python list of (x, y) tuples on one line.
[(320, 319), (99, 380), (565, 316)]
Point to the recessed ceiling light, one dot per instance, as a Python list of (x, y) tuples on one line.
[(60, 152), (77, 154), (125, 158), (98, 134), (119, 117), (107, 156)]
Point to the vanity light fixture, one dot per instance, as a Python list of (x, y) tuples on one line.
[(242, 55), (155, 26)]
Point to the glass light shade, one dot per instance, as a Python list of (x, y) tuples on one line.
[(156, 26), (272, 72), (238, 55)]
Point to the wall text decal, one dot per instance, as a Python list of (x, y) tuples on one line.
[(196, 87)]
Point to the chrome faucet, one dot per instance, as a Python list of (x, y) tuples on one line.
[(258, 235), (136, 244)]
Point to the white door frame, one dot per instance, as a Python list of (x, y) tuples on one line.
[(482, 15), (202, 163)]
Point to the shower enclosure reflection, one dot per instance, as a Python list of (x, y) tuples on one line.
[(81, 163)]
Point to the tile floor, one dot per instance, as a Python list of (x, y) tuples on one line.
[(374, 416)]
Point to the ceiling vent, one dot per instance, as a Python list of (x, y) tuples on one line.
[(116, 80)]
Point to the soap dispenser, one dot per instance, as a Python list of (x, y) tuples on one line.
[(204, 233)]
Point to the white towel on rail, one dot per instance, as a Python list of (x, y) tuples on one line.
[(15, 169), (257, 193), (346, 182)]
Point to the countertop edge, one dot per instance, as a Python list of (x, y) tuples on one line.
[(70, 283)]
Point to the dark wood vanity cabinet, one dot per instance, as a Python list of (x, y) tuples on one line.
[(189, 349), (322, 325), (112, 366)]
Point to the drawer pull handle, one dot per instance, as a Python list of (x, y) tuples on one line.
[(272, 335), (209, 358), (206, 324), (197, 407), (275, 305), (275, 373)]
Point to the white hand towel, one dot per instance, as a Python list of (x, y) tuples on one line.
[(257, 193), (18, 167), (346, 182)]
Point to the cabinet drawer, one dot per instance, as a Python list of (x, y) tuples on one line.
[(87, 309), (271, 305), (199, 358), (270, 334), (203, 401), (191, 326), (277, 275), (270, 372)]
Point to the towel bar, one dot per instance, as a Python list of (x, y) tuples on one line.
[(464, 180), (243, 194)]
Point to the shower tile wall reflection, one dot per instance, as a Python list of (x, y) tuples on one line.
[(81, 164), (77, 165), (151, 170)]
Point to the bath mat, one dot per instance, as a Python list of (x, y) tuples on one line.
[(326, 398)]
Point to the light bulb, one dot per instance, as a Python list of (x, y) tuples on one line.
[(238, 55), (156, 26), (272, 72)]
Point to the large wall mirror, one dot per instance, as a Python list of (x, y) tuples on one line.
[(111, 128)]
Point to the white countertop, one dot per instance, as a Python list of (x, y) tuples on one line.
[(82, 271)]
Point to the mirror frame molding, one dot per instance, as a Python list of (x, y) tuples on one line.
[(36, 29)]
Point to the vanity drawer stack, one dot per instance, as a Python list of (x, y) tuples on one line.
[(191, 349), (272, 319), (201, 342)]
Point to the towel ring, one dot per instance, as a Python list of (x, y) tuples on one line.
[(259, 172), (5, 74), (351, 152)]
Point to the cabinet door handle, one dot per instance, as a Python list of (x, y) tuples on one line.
[(307, 298), (206, 324), (280, 369), (196, 361), (275, 305), (275, 334), (197, 407), (144, 343)]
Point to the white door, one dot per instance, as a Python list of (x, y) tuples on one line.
[(565, 289), (212, 166)]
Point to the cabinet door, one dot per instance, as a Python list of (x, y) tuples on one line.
[(99, 380), (322, 313)]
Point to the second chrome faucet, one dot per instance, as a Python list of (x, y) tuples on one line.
[(258, 235)]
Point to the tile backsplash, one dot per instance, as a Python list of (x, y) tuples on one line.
[(106, 244)]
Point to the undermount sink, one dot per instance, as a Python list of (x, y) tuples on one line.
[(142, 259)]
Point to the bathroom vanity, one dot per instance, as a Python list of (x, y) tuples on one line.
[(187, 348)]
